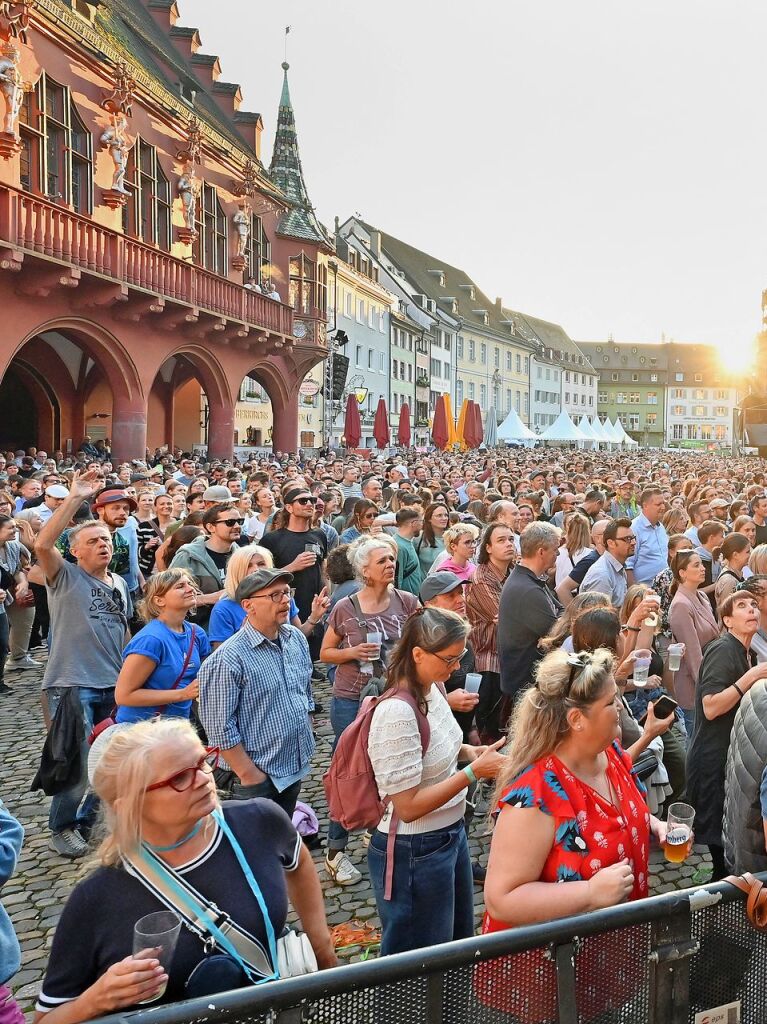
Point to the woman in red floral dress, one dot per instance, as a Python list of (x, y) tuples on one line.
[(569, 811)]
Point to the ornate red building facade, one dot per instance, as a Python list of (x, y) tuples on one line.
[(134, 210)]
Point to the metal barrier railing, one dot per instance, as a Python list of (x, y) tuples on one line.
[(655, 961)]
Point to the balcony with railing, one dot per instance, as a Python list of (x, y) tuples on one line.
[(30, 225)]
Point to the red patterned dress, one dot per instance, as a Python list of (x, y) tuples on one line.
[(590, 833)]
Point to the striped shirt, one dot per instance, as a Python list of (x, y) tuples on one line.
[(483, 599), (257, 692)]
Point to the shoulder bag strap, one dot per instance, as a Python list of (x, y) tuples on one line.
[(159, 710), (425, 734), (201, 916), (756, 904)]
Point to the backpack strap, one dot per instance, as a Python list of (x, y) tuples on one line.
[(424, 729)]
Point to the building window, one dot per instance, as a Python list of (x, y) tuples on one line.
[(259, 252), (147, 212), (526, 398), (517, 404), (410, 373), (460, 346), (698, 394), (692, 432), (482, 396), (614, 376), (472, 351), (634, 421), (720, 432), (548, 373), (591, 399), (370, 359), (698, 378), (302, 284), (677, 431), (677, 410), (447, 341), (527, 369), (706, 431), (459, 392), (721, 395), (211, 247), (635, 377), (679, 393), (652, 397), (651, 419), (699, 410), (360, 311), (539, 372), (382, 362), (497, 358), (519, 370), (720, 411), (567, 397), (679, 377), (349, 300), (371, 315), (602, 397), (653, 378), (471, 390), (483, 353), (508, 400), (56, 146), (622, 398), (382, 321), (508, 362)]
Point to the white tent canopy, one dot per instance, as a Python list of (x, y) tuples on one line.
[(513, 429), (563, 429), (599, 431), (585, 428), (624, 436), (613, 433)]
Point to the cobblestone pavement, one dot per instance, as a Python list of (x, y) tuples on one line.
[(35, 895)]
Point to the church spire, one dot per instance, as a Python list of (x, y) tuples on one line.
[(285, 170)]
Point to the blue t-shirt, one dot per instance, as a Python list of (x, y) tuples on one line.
[(168, 651), (227, 617)]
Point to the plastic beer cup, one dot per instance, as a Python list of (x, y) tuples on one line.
[(155, 935), (678, 844), (675, 652), (641, 667)]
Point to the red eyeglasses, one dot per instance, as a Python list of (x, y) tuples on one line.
[(185, 778)]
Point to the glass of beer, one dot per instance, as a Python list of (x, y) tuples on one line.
[(678, 844), (155, 936)]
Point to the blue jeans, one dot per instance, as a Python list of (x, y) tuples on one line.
[(68, 809), (343, 711), (689, 722), (432, 888)]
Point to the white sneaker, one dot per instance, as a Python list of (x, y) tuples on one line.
[(23, 663), (69, 844), (341, 869)]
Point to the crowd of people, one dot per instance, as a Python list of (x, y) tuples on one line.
[(498, 604)]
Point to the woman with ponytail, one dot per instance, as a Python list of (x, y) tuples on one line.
[(733, 556), (432, 890), (692, 623)]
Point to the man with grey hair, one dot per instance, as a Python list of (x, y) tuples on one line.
[(528, 610)]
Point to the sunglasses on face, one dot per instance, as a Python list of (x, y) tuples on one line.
[(229, 522), (185, 778), (307, 500)]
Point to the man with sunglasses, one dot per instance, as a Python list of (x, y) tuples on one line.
[(256, 696), (206, 557), (300, 549)]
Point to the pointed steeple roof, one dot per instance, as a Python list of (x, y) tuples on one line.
[(299, 221)]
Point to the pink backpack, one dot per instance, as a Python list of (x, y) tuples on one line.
[(350, 785)]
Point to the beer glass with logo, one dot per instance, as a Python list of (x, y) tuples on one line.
[(678, 844)]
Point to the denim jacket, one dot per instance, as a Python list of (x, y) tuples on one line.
[(11, 837)]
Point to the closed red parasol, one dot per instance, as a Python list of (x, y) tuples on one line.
[(381, 425), (439, 428), (352, 424), (403, 430)]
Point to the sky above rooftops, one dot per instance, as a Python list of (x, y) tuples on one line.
[(598, 164)]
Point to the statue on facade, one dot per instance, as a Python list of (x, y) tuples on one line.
[(189, 189), (114, 140), (11, 86), (242, 226)]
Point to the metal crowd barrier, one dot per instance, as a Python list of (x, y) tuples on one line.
[(661, 960)]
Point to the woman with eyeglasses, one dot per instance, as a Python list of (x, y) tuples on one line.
[(430, 899), (228, 614), (567, 787), (164, 819), (364, 515), (377, 607), (161, 662), (692, 623)]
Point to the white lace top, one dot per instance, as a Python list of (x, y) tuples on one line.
[(394, 746)]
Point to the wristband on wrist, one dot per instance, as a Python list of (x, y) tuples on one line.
[(469, 772), (738, 689), (633, 629)]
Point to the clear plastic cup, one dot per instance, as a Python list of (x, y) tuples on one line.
[(642, 660), (675, 655), (155, 936), (473, 682)]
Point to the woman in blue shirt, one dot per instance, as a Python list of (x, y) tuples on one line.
[(161, 662), (228, 615)]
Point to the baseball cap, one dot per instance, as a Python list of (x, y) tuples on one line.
[(136, 478), (216, 494), (112, 494), (256, 581), (719, 503), (57, 491), (402, 470), (437, 583)]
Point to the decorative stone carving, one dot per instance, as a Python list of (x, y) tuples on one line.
[(189, 185), (242, 227), (14, 19), (118, 103), (12, 88)]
